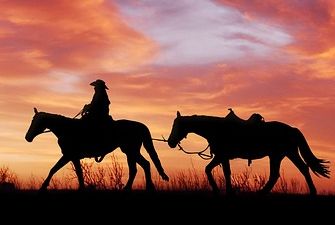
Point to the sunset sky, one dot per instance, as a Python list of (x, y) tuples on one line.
[(274, 57)]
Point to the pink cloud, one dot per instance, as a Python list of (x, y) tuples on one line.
[(201, 32), (310, 22)]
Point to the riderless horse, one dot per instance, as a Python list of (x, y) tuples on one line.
[(78, 139), (231, 138)]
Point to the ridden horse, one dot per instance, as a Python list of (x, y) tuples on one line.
[(229, 139), (78, 139)]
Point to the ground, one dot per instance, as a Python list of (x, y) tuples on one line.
[(163, 207)]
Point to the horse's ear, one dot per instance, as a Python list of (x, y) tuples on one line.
[(178, 114), (35, 110)]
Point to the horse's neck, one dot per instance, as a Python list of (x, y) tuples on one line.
[(56, 123), (200, 125)]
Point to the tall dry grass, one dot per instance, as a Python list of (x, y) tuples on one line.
[(103, 177), (112, 177), (8, 180)]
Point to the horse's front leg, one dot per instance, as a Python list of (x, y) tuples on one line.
[(61, 162), (209, 174), (227, 173), (79, 172)]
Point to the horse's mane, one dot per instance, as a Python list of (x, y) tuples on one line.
[(54, 116)]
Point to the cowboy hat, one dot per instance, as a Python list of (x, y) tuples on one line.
[(99, 83)]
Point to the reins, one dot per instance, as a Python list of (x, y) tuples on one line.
[(201, 153)]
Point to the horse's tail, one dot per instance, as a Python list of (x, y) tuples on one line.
[(318, 166), (149, 146)]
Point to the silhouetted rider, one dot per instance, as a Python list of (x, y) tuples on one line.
[(98, 109), (96, 113)]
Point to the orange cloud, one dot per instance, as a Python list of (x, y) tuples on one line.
[(38, 36)]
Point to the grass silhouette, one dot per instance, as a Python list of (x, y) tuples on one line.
[(112, 177), (187, 196)]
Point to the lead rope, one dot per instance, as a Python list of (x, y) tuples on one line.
[(201, 153)]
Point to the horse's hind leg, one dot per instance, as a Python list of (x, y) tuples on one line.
[(303, 168), (131, 160), (146, 167), (274, 174), (79, 172), (61, 162), (208, 171)]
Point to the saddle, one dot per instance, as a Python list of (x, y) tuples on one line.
[(254, 119), (96, 125)]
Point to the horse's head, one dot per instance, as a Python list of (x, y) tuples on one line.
[(36, 127), (178, 132)]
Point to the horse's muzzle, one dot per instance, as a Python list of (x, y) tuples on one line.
[(172, 144), (29, 138)]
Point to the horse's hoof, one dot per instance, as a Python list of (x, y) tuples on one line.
[(126, 189), (262, 192), (231, 192), (42, 191), (165, 177), (313, 193), (150, 187), (216, 191), (84, 189)]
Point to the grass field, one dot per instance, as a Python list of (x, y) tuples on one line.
[(185, 199)]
